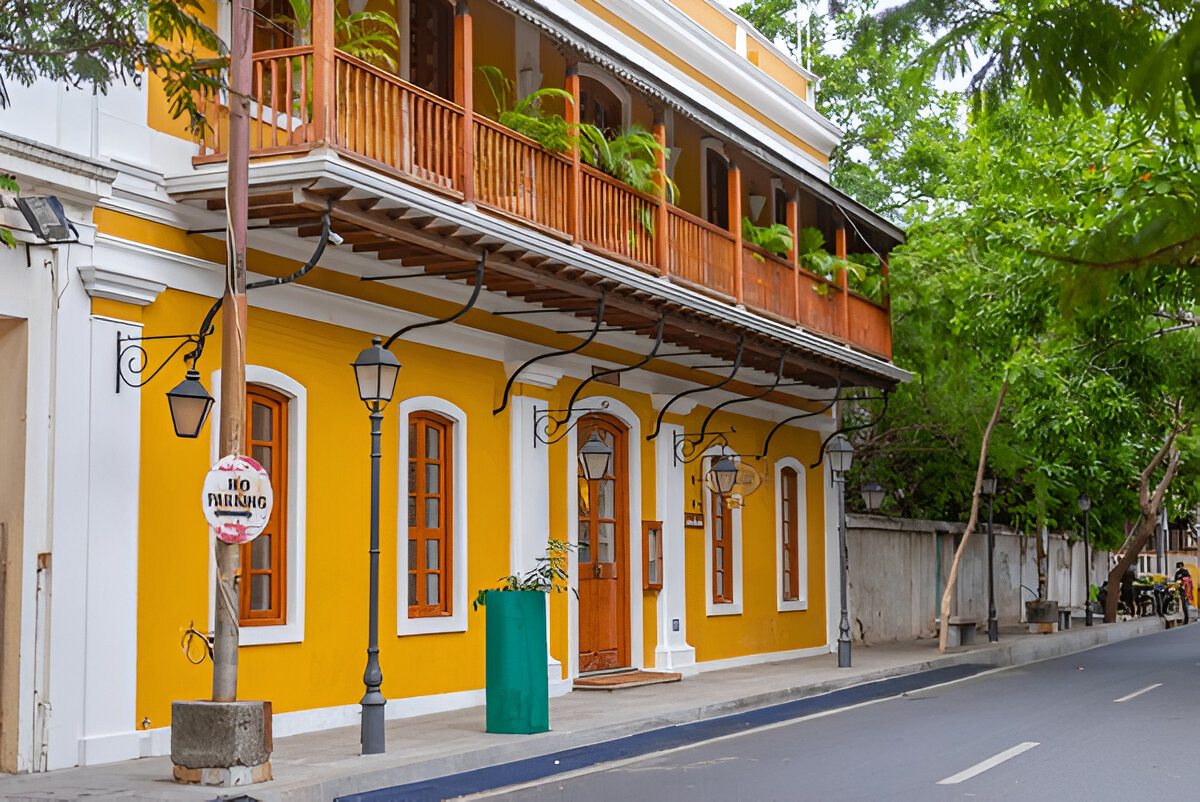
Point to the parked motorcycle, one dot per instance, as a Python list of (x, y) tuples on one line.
[(1172, 604)]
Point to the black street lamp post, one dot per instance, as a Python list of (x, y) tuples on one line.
[(1085, 504), (841, 454), (989, 489), (375, 371)]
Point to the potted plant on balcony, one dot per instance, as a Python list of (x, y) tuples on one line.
[(526, 116), (517, 688), (774, 238)]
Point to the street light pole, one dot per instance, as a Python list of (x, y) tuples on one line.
[(375, 372), (841, 453), (373, 701), (1085, 504), (989, 487)]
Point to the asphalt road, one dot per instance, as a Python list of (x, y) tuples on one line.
[(1115, 723)]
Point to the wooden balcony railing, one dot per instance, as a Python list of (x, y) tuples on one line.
[(700, 252), (516, 175), (385, 121), (617, 218)]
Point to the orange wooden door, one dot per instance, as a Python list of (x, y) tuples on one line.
[(604, 554)]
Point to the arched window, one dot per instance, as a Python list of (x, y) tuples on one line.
[(791, 542), (789, 566), (263, 588), (430, 514), (716, 182)]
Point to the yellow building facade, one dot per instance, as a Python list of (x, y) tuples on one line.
[(537, 301)]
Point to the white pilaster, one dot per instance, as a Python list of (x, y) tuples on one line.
[(529, 505), (114, 467), (673, 652)]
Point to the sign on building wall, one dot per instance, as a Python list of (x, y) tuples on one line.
[(237, 499)]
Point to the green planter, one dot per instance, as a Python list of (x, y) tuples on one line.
[(518, 694)]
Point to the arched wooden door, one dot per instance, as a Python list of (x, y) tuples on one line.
[(604, 553)]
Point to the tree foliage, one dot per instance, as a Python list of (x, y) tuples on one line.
[(1052, 240), (97, 43)]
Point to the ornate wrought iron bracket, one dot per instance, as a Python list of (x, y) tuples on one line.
[(767, 443), (844, 429), (581, 345), (548, 428), (479, 268), (737, 365), (742, 400), (686, 449), (658, 338), (133, 360)]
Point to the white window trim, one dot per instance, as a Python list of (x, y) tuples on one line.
[(712, 608), (297, 474), (801, 602), (457, 620)]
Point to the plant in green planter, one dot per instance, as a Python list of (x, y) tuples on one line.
[(775, 238), (549, 574), (517, 690)]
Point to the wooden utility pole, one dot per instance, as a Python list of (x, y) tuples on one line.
[(233, 340)]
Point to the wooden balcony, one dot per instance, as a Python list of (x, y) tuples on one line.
[(389, 125)]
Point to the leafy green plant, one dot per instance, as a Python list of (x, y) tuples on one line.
[(372, 36), (814, 257), (774, 238), (548, 575), (526, 116), (630, 156), (8, 184)]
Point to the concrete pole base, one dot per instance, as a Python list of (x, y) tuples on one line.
[(221, 743)]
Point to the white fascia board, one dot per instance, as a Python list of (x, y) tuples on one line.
[(676, 30), (763, 41), (327, 165)]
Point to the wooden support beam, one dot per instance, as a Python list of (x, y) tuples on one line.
[(464, 95), (793, 256), (735, 228)]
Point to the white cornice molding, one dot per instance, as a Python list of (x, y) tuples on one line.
[(87, 180), (100, 282), (538, 375)]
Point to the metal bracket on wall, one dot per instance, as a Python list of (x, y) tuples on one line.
[(658, 338), (737, 365), (133, 359), (686, 449), (765, 390), (845, 429), (478, 271), (548, 428), (581, 345)]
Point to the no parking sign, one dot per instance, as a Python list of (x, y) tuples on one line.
[(237, 499)]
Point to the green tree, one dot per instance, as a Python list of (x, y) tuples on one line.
[(99, 42)]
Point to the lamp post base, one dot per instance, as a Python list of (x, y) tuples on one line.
[(372, 733), (843, 654), (993, 630), (1087, 615)]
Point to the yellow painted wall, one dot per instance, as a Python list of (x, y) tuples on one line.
[(710, 19), (494, 46), (760, 627), (326, 668)]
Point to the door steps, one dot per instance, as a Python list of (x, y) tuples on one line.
[(624, 679)]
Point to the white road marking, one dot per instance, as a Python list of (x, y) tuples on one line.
[(990, 763), (1139, 693)]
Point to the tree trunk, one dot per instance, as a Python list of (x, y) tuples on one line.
[(948, 593), (1149, 503)]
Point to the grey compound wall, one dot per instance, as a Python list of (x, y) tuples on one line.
[(898, 570)]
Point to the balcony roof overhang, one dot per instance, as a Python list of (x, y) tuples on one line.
[(402, 221)]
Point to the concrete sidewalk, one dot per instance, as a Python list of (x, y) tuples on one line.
[(325, 765)]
